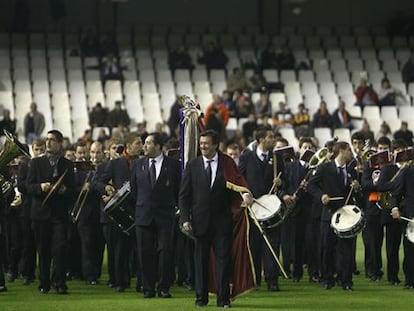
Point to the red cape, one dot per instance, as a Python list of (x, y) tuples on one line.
[(242, 274)]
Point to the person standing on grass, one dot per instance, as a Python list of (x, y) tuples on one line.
[(155, 181), (208, 213), (49, 216)]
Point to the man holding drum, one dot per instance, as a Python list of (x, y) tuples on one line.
[(332, 181)]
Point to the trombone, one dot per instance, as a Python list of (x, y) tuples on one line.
[(83, 194)]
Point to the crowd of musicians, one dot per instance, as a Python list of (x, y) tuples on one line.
[(57, 222)]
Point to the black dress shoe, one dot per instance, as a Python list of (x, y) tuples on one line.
[(43, 290), (200, 304), (92, 282), (164, 294), (328, 285), (3, 288), (296, 279), (273, 288), (111, 285), (395, 282), (409, 286), (224, 305), (120, 289), (138, 288), (348, 288), (314, 279), (357, 272), (149, 294)]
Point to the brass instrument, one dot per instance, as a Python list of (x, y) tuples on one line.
[(12, 149), (55, 187), (80, 201)]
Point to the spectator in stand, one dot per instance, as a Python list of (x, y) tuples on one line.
[(107, 45), (110, 69), (142, 130), (249, 128), (7, 123), (216, 123), (237, 80), (228, 101), (388, 95), (243, 106), (179, 58), (384, 131), (341, 117), (102, 136), (366, 131), (89, 44), (257, 81), (283, 117), (365, 94), (269, 58), (322, 117), (405, 134), (98, 117), (222, 110), (301, 122), (213, 57), (408, 70), (34, 124), (174, 119), (285, 59), (118, 117), (263, 107), (233, 150)]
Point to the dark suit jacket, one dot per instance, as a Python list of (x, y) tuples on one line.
[(58, 205), (326, 181), (158, 203), (22, 187), (404, 190), (202, 206)]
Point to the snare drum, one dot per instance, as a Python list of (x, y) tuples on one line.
[(348, 221), (120, 210), (268, 210), (409, 231)]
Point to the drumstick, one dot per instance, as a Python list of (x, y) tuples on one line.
[(261, 205), (407, 219), (274, 184), (336, 198)]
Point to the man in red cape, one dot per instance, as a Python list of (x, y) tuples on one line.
[(211, 213)]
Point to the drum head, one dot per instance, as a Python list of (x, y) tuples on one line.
[(409, 232), (266, 206), (346, 217)]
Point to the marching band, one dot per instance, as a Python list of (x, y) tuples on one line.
[(310, 205)]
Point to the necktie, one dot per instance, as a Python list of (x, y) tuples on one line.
[(153, 174), (342, 174), (209, 172), (264, 155)]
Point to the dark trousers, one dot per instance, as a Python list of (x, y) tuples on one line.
[(155, 255), (222, 250), (299, 227), (15, 246), (119, 250), (91, 248), (74, 253), (184, 259), (374, 233), (338, 250), (51, 240), (408, 261), (28, 258), (393, 235), (286, 239), (313, 249), (262, 255)]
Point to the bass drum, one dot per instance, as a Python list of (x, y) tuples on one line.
[(120, 210), (409, 232), (268, 210), (348, 221)]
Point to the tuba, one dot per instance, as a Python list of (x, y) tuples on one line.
[(12, 149)]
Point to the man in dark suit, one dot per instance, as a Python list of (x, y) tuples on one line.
[(393, 227), (300, 215), (257, 167), (50, 217), (155, 181), (332, 179), (404, 190), (205, 213), (115, 175)]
